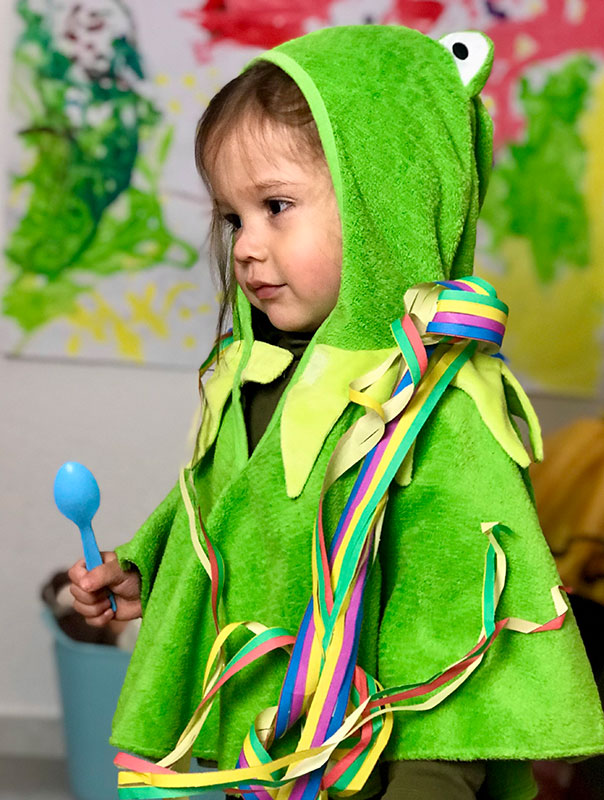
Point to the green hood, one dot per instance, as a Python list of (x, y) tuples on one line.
[(408, 143)]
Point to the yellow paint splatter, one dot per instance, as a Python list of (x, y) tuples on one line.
[(130, 263), (202, 98), (204, 308), (189, 80), (92, 321), (185, 313), (143, 312), (175, 106), (15, 196), (148, 314), (173, 293), (104, 324), (161, 79), (129, 343), (536, 7), (524, 46), (189, 342), (74, 345), (489, 103)]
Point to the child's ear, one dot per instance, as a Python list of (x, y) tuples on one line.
[(473, 55)]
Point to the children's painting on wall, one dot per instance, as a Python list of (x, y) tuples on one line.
[(105, 251)]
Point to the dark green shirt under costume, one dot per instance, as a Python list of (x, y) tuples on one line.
[(260, 400)]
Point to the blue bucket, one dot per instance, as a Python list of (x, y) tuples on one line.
[(90, 680)]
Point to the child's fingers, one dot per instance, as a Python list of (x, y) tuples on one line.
[(90, 591), (92, 610), (128, 609), (102, 576), (95, 579), (96, 620), (128, 587), (86, 598), (77, 572)]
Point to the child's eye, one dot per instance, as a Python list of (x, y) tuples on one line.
[(277, 206), (233, 220)]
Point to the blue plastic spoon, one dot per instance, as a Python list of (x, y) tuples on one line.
[(78, 497)]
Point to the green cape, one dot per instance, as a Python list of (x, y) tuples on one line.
[(409, 148)]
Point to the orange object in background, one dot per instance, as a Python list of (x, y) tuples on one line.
[(569, 491)]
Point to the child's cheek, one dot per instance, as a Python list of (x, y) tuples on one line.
[(240, 280)]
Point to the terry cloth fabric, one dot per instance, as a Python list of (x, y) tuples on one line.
[(408, 145)]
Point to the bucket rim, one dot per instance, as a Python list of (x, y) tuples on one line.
[(73, 644)]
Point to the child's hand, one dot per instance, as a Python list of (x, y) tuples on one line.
[(89, 590)]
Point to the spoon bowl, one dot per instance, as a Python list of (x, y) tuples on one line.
[(77, 493)]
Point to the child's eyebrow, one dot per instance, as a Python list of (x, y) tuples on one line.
[(263, 186), (274, 184)]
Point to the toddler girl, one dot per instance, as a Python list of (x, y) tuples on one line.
[(347, 170)]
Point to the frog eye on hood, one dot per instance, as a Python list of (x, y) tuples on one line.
[(473, 56)]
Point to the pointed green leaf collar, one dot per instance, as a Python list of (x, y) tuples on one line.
[(318, 399), (316, 402), (497, 394), (266, 362)]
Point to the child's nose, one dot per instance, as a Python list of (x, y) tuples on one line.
[(250, 245)]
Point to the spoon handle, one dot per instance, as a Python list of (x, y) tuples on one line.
[(92, 555)]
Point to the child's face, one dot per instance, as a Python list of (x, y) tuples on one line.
[(287, 248)]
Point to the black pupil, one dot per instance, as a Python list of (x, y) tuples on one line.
[(460, 51)]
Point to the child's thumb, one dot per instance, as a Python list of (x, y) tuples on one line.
[(103, 575)]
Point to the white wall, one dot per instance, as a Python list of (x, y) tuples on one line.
[(129, 426)]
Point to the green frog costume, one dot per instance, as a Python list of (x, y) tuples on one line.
[(408, 143)]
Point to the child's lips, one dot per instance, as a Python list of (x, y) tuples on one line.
[(265, 291)]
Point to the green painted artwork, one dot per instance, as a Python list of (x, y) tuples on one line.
[(543, 220), (106, 218), (537, 188), (95, 149)]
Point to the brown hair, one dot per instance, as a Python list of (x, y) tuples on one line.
[(262, 94)]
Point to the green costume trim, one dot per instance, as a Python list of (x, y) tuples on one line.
[(319, 112), (413, 147)]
